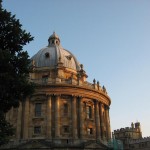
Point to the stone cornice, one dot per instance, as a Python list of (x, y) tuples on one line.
[(58, 89)]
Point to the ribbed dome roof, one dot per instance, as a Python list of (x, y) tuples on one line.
[(54, 53)]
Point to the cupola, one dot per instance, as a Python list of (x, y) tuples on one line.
[(54, 40)]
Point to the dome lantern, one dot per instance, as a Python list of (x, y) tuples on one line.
[(54, 40)]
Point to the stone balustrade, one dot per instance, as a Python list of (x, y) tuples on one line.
[(49, 81)]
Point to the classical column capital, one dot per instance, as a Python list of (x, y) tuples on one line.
[(49, 96), (96, 101), (57, 95), (80, 96), (106, 107), (73, 95)]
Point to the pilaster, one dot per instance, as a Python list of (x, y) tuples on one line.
[(49, 116), (102, 121), (57, 117), (18, 129), (97, 117), (74, 117), (81, 117), (108, 123), (26, 119)]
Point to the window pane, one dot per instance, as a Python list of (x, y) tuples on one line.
[(65, 109), (38, 107), (89, 111), (90, 131), (37, 130), (66, 129)]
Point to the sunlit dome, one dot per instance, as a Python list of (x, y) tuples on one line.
[(54, 53)]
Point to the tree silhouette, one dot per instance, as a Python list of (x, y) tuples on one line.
[(14, 68)]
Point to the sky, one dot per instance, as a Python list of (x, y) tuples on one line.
[(111, 38)]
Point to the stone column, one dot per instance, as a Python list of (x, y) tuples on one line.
[(26, 119), (102, 121), (74, 117), (57, 117), (32, 115), (97, 118), (81, 118), (22, 118), (49, 117), (108, 123), (19, 115)]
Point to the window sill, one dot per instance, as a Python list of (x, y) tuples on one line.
[(40, 117), (37, 136)]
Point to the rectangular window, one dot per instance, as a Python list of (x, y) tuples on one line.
[(37, 130), (38, 109), (65, 108), (44, 79), (90, 131), (66, 129), (89, 111)]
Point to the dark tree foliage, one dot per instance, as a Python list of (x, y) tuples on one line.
[(6, 130), (14, 66)]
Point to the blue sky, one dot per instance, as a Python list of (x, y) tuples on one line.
[(111, 38)]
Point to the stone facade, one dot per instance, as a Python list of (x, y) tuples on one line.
[(140, 144), (65, 109), (132, 137)]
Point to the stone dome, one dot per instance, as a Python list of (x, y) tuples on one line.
[(53, 54)]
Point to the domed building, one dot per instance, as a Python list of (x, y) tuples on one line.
[(65, 110)]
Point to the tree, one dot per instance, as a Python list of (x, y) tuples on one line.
[(6, 130), (14, 67)]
